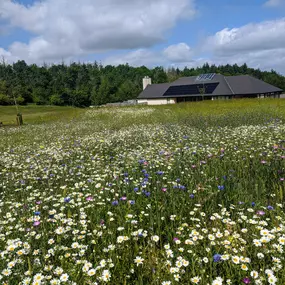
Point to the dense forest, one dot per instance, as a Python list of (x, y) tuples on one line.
[(85, 84)]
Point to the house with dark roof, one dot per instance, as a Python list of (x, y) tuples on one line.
[(206, 87)]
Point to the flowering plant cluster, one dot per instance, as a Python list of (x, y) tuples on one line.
[(146, 204)]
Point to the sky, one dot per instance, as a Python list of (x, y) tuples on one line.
[(164, 33)]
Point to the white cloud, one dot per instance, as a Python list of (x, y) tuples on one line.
[(178, 53), (274, 3), (173, 55), (260, 45), (137, 58), (252, 37), (65, 28)]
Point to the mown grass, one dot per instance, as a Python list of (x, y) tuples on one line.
[(33, 114)]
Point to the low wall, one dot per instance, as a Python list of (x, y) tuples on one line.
[(157, 101)]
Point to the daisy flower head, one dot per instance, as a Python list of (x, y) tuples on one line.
[(138, 260), (195, 280)]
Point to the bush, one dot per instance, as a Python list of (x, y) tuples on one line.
[(56, 100), (5, 100)]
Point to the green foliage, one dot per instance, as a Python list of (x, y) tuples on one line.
[(5, 100), (81, 85), (56, 100)]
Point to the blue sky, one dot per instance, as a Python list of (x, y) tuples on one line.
[(150, 32)]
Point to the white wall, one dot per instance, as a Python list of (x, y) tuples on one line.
[(157, 101)]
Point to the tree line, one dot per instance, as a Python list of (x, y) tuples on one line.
[(85, 84)]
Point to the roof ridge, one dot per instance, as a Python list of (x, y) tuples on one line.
[(229, 85)]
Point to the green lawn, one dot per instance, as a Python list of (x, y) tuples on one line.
[(33, 114)]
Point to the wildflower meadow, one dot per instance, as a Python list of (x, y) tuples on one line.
[(184, 194)]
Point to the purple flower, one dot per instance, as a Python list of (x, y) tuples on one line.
[(36, 223), (136, 189), (191, 196), (38, 202), (147, 194), (260, 213), (67, 199), (252, 204), (246, 280), (115, 203), (102, 222), (221, 187), (270, 207), (217, 257), (132, 202)]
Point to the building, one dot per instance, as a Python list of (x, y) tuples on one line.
[(206, 87)]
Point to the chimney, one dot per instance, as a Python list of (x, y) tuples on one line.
[(146, 82)]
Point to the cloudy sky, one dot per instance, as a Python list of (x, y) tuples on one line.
[(145, 32)]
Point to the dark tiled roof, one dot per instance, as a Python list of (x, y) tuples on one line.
[(245, 84), (154, 91), (227, 85)]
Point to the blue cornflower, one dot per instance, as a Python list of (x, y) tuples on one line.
[(115, 203), (270, 208), (136, 189), (217, 257), (191, 196), (252, 204), (132, 202), (147, 194), (159, 172), (67, 199), (37, 213), (221, 187)]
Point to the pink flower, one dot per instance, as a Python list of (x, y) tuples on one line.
[(89, 198), (164, 189), (36, 223)]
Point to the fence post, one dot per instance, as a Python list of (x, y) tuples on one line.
[(19, 119)]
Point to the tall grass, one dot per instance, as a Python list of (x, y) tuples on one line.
[(188, 193)]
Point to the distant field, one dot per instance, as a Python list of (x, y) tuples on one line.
[(33, 114), (179, 194), (217, 110)]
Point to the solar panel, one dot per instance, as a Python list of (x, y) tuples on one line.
[(192, 89), (206, 76)]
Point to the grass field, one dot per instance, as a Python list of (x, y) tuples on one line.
[(37, 114), (176, 194)]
